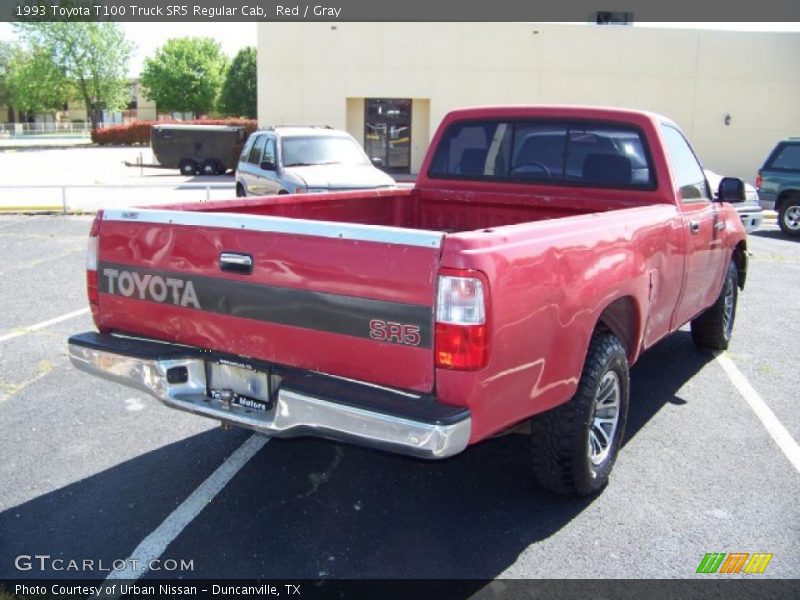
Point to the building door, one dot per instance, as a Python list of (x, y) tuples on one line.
[(387, 133)]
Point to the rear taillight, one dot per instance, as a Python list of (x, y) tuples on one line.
[(461, 329), (92, 253), (758, 180)]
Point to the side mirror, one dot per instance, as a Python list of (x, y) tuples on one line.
[(731, 189), (376, 161), (267, 165)]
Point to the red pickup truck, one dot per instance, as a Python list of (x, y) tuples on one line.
[(541, 251)]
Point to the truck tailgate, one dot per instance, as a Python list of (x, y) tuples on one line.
[(349, 300)]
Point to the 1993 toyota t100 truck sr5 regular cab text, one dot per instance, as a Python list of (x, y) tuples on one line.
[(540, 252)]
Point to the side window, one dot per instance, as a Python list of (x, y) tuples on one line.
[(269, 150), (246, 149), (258, 150), (689, 175), (787, 158)]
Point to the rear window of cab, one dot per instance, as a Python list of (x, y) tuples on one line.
[(561, 153)]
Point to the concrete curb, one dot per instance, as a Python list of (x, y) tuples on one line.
[(32, 208)]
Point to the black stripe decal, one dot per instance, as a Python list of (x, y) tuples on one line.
[(345, 315)]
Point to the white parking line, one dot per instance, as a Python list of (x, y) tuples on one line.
[(774, 427), (154, 544), (42, 325)]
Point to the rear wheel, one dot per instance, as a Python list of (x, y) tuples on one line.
[(187, 167), (211, 166), (789, 216), (712, 329), (576, 444)]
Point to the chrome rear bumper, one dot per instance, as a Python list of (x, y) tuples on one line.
[(301, 403)]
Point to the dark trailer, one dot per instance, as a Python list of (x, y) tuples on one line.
[(204, 149)]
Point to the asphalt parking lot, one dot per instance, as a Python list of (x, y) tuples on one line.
[(88, 177), (85, 178), (93, 470)]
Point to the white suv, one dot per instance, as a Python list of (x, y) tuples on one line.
[(288, 160)]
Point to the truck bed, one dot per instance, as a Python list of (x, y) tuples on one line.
[(445, 211), (324, 270)]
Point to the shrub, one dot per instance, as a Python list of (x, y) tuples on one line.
[(138, 132)]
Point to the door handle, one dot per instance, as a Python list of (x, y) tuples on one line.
[(233, 262), (694, 227)]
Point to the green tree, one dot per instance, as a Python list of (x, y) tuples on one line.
[(185, 75), (92, 56), (33, 83), (5, 99), (239, 93)]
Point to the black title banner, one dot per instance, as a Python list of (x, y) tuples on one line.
[(392, 589), (591, 11)]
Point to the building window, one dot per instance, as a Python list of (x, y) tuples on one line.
[(387, 132)]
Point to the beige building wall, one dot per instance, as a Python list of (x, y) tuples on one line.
[(354, 122), (319, 73), (76, 111), (145, 109)]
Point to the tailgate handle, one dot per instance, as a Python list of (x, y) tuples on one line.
[(233, 262)]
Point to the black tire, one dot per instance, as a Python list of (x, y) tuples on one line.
[(240, 193), (187, 167), (789, 216), (712, 329), (211, 166), (565, 459)]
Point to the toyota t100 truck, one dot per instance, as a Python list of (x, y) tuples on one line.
[(540, 252)]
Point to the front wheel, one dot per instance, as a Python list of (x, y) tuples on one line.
[(712, 329), (576, 444), (188, 167), (789, 217)]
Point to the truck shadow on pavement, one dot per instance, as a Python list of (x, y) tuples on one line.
[(658, 376), (310, 508), (774, 234)]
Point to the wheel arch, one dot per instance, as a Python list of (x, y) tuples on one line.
[(785, 195), (622, 317)]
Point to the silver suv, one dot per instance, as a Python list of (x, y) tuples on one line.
[(288, 160)]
